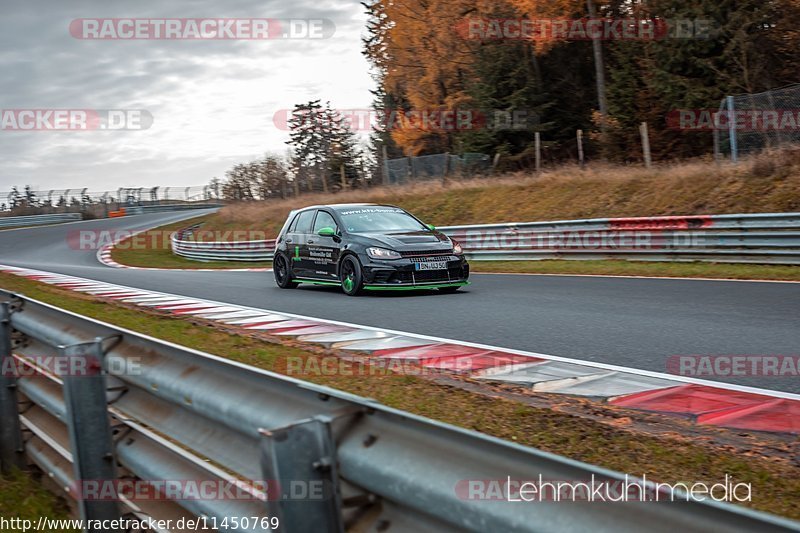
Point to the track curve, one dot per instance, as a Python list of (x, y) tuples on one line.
[(637, 323)]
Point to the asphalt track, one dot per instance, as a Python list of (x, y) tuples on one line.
[(630, 322)]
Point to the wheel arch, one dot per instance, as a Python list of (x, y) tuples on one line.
[(342, 257)]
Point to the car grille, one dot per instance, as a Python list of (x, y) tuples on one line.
[(422, 253), (420, 259)]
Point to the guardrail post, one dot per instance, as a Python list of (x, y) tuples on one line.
[(11, 444), (300, 459), (89, 428)]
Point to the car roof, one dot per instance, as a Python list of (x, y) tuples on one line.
[(340, 207)]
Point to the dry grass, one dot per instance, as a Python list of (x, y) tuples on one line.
[(766, 183)]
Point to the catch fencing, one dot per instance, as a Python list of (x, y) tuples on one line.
[(38, 220), (151, 412), (428, 167), (766, 238), (100, 204), (782, 106)]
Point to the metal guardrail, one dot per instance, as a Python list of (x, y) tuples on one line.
[(770, 238), (183, 245), (160, 412), (38, 220), (143, 209)]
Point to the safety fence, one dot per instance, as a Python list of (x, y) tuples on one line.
[(768, 238), (427, 167), (106, 412), (748, 123), (101, 204), (38, 220)]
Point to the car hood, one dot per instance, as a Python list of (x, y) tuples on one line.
[(410, 240)]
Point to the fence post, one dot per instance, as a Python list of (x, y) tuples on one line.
[(410, 171), (11, 446), (385, 155), (732, 130), (645, 144), (446, 172), (537, 137), (343, 176), (580, 148), (303, 455), (89, 428)]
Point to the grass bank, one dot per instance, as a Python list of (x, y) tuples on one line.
[(668, 456), (22, 496), (766, 183)]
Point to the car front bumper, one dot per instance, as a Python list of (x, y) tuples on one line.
[(403, 274)]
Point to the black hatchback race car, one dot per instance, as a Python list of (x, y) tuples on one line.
[(366, 247)]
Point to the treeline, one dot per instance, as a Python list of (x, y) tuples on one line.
[(426, 58), (323, 155)]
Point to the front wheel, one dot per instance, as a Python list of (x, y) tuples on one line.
[(350, 276), (283, 272)]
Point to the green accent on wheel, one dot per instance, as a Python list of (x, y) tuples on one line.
[(296, 254), (318, 282), (414, 287), (348, 283)]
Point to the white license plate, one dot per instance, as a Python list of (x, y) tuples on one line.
[(432, 265)]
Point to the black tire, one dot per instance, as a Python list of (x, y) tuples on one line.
[(449, 290), (282, 270), (350, 276)]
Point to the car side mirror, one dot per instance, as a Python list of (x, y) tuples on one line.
[(431, 227), (327, 232)]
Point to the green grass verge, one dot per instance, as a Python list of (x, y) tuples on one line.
[(23, 497), (667, 457), (636, 268), (151, 250)]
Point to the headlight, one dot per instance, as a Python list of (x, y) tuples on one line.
[(457, 248), (382, 253)]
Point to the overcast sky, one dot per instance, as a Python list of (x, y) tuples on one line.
[(212, 101)]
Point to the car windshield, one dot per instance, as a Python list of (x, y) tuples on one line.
[(367, 219)]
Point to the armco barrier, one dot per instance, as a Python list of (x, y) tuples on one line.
[(161, 413), (38, 220), (770, 238), (184, 245), (143, 209)]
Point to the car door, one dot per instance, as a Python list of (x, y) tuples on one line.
[(324, 249), (297, 243)]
